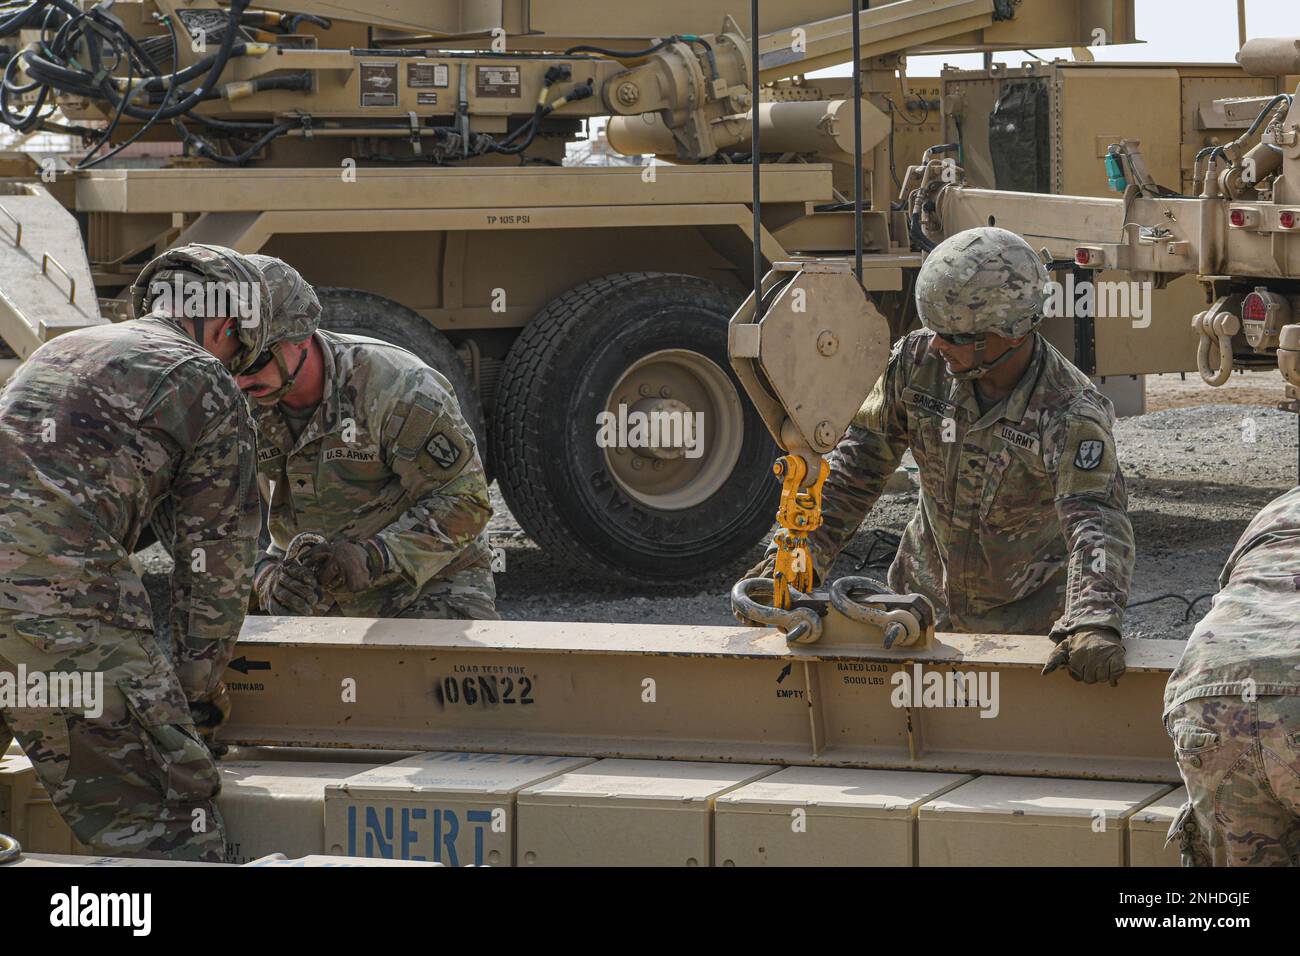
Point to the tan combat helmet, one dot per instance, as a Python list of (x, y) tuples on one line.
[(978, 281), (228, 285), (295, 315)]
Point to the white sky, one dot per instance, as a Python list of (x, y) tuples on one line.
[(1173, 30)]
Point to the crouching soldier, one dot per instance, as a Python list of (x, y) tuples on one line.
[(363, 445), (1022, 525), (1232, 705), (104, 429)]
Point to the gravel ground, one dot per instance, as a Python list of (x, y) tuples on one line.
[(1243, 388), (1196, 476)]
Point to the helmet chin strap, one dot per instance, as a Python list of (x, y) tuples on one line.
[(983, 368), (287, 377)]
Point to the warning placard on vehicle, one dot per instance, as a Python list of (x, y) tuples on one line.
[(378, 84), (494, 80), (426, 74)]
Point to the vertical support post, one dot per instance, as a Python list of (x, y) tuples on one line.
[(816, 719), (857, 140), (755, 159)]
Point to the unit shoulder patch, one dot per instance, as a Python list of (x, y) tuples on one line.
[(1089, 454), (445, 450), (1087, 459)]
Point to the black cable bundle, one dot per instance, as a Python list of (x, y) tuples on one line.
[(70, 35)]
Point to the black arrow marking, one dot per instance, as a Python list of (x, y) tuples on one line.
[(244, 665), (785, 672)]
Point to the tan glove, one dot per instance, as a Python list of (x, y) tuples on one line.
[(1092, 654), (764, 569), (350, 566), (767, 569), (286, 587)]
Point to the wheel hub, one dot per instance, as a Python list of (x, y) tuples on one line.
[(676, 427)]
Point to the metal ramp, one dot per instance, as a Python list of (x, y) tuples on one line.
[(45, 284)]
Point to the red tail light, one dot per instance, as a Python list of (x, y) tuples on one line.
[(1253, 309)]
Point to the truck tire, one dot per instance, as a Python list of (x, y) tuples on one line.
[(363, 313), (633, 514)]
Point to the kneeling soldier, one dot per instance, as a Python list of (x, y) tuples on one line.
[(1022, 525), (362, 444)]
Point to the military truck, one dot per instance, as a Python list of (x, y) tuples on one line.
[(1222, 233), (405, 157), (1049, 127)]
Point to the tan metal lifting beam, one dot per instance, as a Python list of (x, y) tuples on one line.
[(690, 692)]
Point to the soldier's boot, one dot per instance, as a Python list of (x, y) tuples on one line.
[(1238, 759), (468, 595), (121, 762)]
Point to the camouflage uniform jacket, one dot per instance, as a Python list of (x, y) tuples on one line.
[(102, 431), (1250, 640), (1022, 510), (386, 455)]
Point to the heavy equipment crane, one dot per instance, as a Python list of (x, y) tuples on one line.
[(403, 155)]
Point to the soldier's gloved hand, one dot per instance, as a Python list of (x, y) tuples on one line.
[(287, 587), (764, 569), (210, 712), (767, 569), (350, 566), (1092, 654)]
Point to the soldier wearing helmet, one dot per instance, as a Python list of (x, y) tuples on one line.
[(106, 430), (1022, 524), (362, 450)]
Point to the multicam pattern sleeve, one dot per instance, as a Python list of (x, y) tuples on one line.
[(1091, 503), (213, 516), (428, 444)]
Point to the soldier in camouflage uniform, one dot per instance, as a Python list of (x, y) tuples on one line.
[(104, 429), (1232, 705), (1022, 524), (362, 443)]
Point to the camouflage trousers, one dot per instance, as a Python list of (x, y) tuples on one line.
[(124, 768), (1241, 763), (468, 595)]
